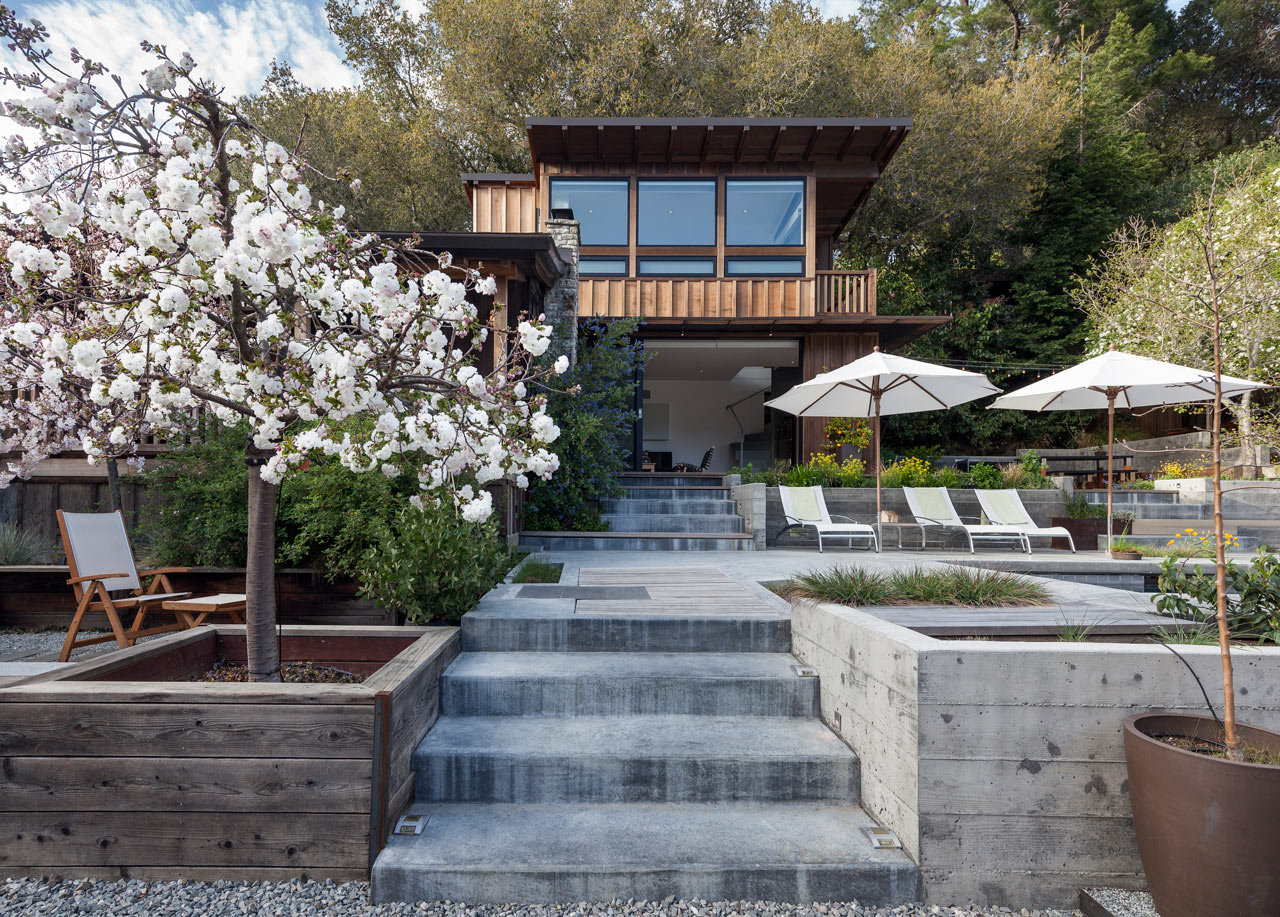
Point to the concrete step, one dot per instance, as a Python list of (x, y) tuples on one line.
[(1171, 527), (496, 853), (677, 493), (633, 506), (674, 522), (634, 759), (671, 479), (1193, 512), (514, 625), (1130, 496), (634, 541), (626, 684)]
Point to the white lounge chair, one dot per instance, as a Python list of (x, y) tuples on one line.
[(804, 507), (1004, 507), (101, 562), (933, 509)]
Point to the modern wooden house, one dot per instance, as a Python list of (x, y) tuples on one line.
[(720, 234)]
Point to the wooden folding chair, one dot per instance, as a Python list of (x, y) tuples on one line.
[(101, 562)]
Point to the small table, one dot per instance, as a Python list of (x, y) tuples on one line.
[(881, 526), (192, 612)]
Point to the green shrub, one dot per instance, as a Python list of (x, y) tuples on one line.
[(1253, 595), (19, 548), (594, 406), (986, 477), (431, 565), (327, 517), (1080, 508), (952, 585)]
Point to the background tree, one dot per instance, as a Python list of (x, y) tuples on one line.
[(247, 299), (1149, 295)]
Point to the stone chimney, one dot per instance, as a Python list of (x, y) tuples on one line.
[(560, 304)]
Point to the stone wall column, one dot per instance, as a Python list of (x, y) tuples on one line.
[(560, 304)]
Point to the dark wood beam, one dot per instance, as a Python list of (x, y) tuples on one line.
[(599, 142), (813, 141), (671, 144), (635, 145), (777, 142), (742, 142), (889, 137), (706, 143), (848, 142)]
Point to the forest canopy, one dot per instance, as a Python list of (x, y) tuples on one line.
[(1041, 128)]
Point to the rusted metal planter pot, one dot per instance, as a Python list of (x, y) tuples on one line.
[(1208, 829)]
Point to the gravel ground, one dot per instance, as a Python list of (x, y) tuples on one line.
[(36, 898), (1123, 903), (19, 645)]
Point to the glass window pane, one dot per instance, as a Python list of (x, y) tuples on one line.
[(676, 212), (764, 212), (764, 267), (599, 206), (675, 267), (602, 267)]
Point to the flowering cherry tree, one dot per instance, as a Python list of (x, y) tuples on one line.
[(168, 259)]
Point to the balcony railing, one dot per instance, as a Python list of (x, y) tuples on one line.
[(845, 292)]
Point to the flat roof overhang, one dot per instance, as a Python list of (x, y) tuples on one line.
[(534, 252), (471, 179), (846, 155), (894, 330)]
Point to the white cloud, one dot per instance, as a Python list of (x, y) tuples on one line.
[(233, 42), (838, 9)]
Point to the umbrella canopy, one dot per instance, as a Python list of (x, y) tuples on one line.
[(1133, 381), (1120, 379), (899, 385), (880, 384)]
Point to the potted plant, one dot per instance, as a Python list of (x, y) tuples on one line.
[(1206, 790), (1124, 549), (1087, 522)]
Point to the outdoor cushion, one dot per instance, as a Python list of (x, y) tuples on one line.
[(1006, 507), (804, 505), (935, 506)]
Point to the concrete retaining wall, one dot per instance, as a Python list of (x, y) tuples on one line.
[(751, 502), (1001, 764), (859, 504)]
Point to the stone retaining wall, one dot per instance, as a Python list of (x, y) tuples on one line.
[(1001, 764)]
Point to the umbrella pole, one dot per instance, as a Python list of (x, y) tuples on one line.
[(1111, 441), (875, 455)]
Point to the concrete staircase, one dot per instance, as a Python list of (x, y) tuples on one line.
[(1160, 515), (593, 758), (659, 512)]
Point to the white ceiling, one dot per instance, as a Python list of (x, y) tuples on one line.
[(721, 360)]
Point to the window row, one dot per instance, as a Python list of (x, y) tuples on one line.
[(682, 211), (695, 266)]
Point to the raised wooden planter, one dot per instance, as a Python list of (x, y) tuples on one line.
[(40, 597), (118, 766)]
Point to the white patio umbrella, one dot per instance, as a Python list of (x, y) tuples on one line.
[(1123, 379), (879, 385)]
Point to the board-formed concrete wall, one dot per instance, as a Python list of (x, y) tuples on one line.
[(859, 504), (1001, 764)]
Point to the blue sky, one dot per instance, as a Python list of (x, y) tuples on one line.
[(234, 40)]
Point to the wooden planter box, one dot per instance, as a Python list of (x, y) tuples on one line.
[(40, 597), (1088, 534), (117, 766)]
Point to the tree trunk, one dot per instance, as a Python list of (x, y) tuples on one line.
[(113, 484), (260, 615)]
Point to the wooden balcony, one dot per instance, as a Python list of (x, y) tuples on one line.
[(846, 292), (829, 293)]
